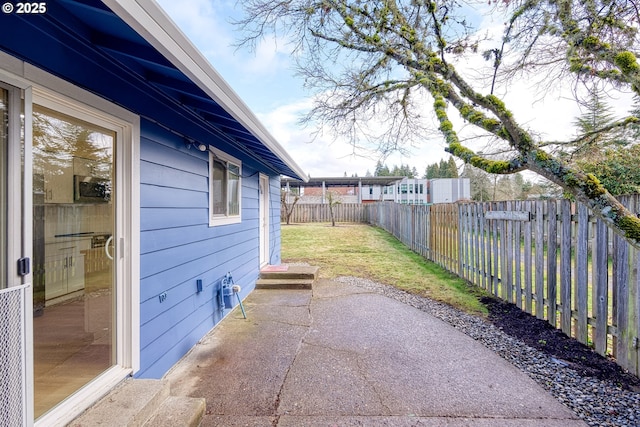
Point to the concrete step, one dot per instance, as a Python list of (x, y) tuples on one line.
[(287, 277), (178, 411), (292, 272), (285, 284), (130, 404), (142, 403)]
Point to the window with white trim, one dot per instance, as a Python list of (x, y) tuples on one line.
[(225, 188)]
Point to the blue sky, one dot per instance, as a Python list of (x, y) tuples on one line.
[(265, 82)]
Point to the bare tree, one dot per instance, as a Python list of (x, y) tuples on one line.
[(287, 204), (332, 200), (377, 62)]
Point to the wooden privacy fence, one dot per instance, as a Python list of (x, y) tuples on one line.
[(553, 259), (342, 212)]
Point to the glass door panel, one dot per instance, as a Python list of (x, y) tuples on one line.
[(74, 290)]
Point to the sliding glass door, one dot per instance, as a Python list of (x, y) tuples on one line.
[(74, 273)]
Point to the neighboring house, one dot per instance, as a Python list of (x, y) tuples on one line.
[(133, 180), (414, 191), (449, 190), (347, 189)]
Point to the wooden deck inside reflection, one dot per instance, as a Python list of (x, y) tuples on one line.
[(73, 342)]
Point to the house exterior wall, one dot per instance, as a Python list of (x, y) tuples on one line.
[(413, 191), (449, 190), (377, 193), (177, 247), (419, 191)]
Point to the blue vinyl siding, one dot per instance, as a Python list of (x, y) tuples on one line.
[(177, 246)]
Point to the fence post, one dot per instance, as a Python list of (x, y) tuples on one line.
[(601, 285), (528, 258), (462, 253)]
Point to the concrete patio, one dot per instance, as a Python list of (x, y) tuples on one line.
[(339, 355)]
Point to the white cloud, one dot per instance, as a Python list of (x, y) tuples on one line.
[(201, 21), (269, 58), (208, 25), (327, 156), (319, 156)]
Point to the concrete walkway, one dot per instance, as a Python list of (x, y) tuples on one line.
[(342, 356)]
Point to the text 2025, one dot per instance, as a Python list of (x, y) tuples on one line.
[(34, 7)]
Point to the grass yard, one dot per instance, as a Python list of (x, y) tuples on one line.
[(369, 252)]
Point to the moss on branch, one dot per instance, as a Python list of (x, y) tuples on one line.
[(630, 225), (627, 62)]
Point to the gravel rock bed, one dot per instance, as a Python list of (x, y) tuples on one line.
[(598, 402)]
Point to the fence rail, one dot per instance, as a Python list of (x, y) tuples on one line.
[(342, 212), (553, 259)]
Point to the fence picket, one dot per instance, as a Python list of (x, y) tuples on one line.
[(552, 263), (565, 267), (496, 258), (508, 244), (483, 245), (517, 238), (539, 241), (581, 284), (477, 278)]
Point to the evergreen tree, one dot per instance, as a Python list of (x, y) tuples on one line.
[(381, 169), (452, 168), (403, 170), (433, 171), (590, 143), (443, 167), (610, 156)]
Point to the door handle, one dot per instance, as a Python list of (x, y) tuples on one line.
[(106, 248)]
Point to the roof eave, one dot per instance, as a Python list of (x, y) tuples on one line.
[(151, 22)]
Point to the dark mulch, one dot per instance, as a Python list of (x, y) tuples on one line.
[(541, 335)]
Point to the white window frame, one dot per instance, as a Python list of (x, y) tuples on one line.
[(220, 156)]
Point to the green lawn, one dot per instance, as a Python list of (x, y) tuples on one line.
[(370, 252)]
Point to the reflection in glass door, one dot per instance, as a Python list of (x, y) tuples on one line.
[(74, 291)]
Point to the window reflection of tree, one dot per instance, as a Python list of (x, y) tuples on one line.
[(57, 139)]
